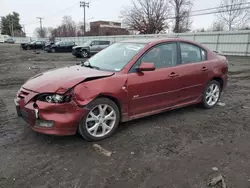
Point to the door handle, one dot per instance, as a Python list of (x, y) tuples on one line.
[(173, 74), (204, 69)]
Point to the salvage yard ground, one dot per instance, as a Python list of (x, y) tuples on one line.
[(177, 149)]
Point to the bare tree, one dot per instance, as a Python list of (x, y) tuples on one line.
[(147, 16), (68, 28), (182, 9), (41, 32), (200, 30), (218, 26), (234, 13)]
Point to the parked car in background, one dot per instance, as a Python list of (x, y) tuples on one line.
[(33, 45), (10, 41), (48, 45), (61, 46), (126, 81), (3, 38), (90, 48)]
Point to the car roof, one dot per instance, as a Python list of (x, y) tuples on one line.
[(154, 40), (100, 40), (160, 40)]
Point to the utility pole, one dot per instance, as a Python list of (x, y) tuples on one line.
[(41, 24), (84, 4), (11, 27), (24, 29)]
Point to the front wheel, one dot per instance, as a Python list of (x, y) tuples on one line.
[(101, 121), (53, 50), (211, 95), (85, 54)]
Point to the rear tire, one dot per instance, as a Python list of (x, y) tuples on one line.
[(101, 121), (211, 95)]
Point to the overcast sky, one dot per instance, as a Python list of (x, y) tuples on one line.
[(53, 10)]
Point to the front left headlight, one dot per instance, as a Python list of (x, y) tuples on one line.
[(54, 98)]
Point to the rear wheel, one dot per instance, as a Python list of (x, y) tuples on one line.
[(85, 54), (101, 121), (211, 95)]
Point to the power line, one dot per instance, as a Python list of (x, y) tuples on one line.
[(84, 5), (219, 7), (214, 12)]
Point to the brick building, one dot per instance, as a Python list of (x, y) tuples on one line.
[(100, 28)]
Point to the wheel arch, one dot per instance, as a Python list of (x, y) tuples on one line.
[(115, 100), (220, 80)]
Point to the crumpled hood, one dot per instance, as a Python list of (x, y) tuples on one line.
[(66, 77), (80, 46)]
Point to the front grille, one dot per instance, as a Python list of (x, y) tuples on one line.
[(22, 94)]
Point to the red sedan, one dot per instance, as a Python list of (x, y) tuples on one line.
[(126, 81)]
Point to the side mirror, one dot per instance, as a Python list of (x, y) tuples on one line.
[(146, 66), (91, 44)]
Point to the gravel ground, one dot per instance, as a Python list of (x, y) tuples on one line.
[(177, 149)]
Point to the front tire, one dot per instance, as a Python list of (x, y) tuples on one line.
[(53, 50), (211, 95), (101, 121), (85, 54)]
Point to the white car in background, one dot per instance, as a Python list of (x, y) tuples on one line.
[(3, 38)]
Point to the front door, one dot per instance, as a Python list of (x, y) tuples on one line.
[(94, 48), (154, 90), (195, 69)]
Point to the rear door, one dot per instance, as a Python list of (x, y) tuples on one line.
[(155, 90), (38, 45), (104, 44), (71, 45), (195, 70)]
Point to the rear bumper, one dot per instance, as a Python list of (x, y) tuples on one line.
[(51, 119)]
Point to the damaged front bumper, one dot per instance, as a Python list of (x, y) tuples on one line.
[(49, 118)]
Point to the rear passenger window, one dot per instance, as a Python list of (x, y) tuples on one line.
[(104, 42), (191, 53)]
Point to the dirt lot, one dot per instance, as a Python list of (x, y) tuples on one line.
[(174, 150)]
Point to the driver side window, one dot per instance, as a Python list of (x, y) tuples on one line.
[(95, 43), (162, 55)]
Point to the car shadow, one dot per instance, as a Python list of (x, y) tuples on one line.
[(123, 128), (157, 117)]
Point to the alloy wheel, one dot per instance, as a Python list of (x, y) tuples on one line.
[(212, 94), (101, 120), (84, 54)]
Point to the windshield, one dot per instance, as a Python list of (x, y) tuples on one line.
[(116, 56), (87, 43), (32, 42), (58, 43)]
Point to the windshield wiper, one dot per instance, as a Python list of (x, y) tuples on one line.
[(87, 64)]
